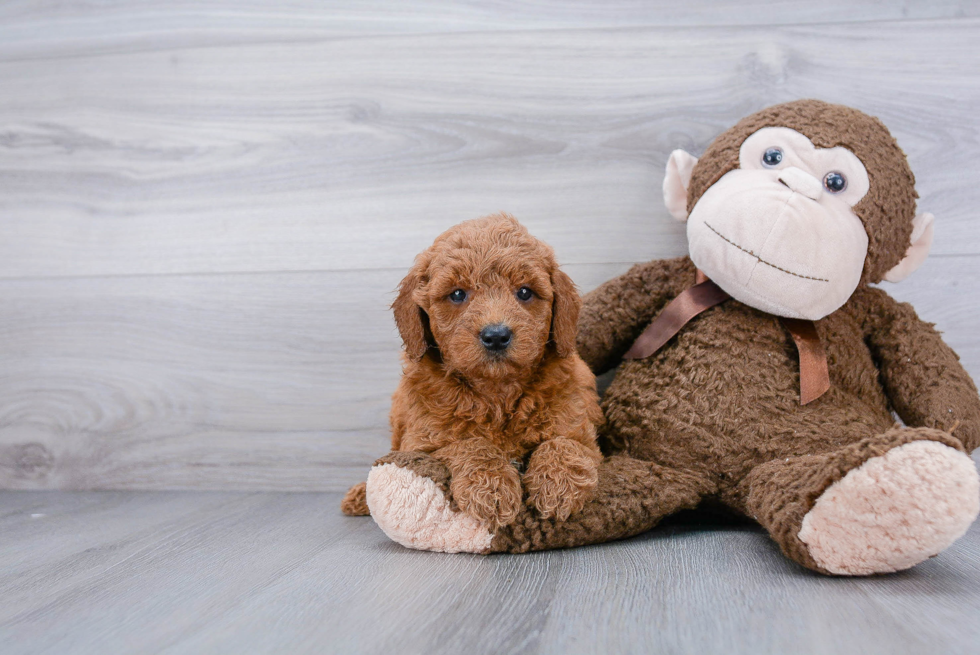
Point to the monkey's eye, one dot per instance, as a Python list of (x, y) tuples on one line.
[(835, 182), (457, 296), (772, 157), (525, 294)]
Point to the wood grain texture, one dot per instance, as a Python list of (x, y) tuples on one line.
[(257, 381), (204, 209), (265, 381), (46, 29), (181, 572), (205, 206), (353, 153)]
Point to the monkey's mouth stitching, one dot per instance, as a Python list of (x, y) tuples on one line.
[(761, 260)]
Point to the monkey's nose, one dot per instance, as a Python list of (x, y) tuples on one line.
[(496, 338), (802, 182)]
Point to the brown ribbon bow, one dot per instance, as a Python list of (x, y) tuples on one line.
[(705, 294)]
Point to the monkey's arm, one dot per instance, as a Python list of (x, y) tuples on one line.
[(922, 376), (614, 314)]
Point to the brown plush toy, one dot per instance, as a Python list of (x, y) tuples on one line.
[(762, 372)]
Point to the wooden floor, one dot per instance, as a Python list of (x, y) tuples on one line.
[(210, 572)]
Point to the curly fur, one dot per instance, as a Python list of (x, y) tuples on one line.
[(714, 416), (355, 501), (476, 412), (561, 476)]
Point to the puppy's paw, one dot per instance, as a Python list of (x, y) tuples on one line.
[(559, 493), (561, 477), (491, 495)]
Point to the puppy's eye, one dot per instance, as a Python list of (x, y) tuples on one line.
[(772, 157), (457, 296), (835, 182), (525, 294)]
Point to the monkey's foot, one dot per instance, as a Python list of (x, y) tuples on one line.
[(893, 511), (408, 494)]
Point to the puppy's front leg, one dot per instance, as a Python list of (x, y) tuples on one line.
[(562, 476), (485, 484)]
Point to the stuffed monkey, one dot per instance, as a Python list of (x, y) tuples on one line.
[(762, 371)]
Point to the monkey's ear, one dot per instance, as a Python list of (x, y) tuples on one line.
[(922, 232), (408, 316), (564, 312), (676, 180)]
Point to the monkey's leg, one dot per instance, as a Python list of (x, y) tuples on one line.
[(631, 497), (879, 505), (409, 497)]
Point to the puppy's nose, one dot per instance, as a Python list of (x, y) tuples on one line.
[(495, 338)]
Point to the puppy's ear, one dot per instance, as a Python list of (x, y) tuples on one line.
[(564, 312), (409, 316)]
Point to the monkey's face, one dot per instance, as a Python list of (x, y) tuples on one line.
[(779, 232), (791, 228)]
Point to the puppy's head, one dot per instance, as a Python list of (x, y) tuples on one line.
[(488, 299)]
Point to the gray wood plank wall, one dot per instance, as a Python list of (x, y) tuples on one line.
[(204, 207)]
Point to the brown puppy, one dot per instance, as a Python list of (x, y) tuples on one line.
[(491, 375)]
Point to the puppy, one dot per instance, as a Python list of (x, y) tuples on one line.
[(491, 380)]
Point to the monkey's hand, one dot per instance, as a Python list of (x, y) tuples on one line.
[(922, 376), (614, 314)]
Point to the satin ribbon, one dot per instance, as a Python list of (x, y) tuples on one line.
[(814, 375), (705, 294)]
